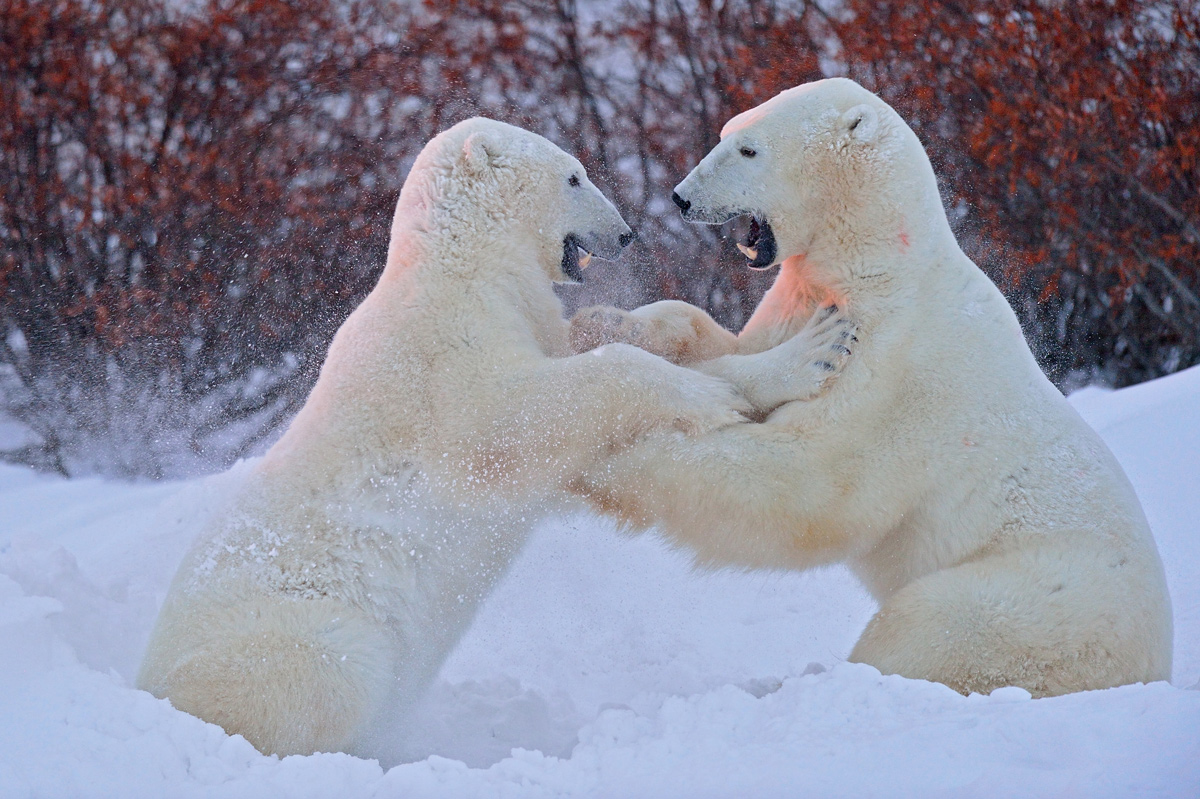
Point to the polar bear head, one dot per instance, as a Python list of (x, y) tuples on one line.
[(499, 185), (813, 158)]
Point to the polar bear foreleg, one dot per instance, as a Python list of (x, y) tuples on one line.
[(560, 415), (677, 331), (748, 495), (801, 368)]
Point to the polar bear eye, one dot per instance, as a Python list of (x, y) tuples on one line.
[(749, 153), (573, 180)]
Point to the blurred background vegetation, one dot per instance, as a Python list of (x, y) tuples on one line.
[(194, 195)]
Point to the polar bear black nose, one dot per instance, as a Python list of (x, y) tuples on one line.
[(625, 238), (683, 204)]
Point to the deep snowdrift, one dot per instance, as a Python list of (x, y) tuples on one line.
[(602, 666)]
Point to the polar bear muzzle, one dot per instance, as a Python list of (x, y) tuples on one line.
[(759, 246)]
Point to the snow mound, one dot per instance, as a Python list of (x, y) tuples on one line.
[(602, 666)]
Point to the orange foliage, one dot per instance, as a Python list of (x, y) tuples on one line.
[(1070, 133), (194, 195)]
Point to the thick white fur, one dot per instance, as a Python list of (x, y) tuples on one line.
[(448, 416), (1000, 537)]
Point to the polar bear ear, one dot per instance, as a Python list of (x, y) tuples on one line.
[(479, 152), (861, 122)]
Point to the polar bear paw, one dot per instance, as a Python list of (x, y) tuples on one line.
[(831, 337), (813, 360), (802, 368), (675, 397), (706, 404)]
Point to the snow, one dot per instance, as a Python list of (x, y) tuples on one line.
[(602, 666)]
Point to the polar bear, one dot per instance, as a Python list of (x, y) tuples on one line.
[(447, 417), (998, 534)]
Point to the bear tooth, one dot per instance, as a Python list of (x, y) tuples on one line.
[(584, 260), (749, 252)]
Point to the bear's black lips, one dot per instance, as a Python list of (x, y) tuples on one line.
[(570, 259), (762, 238)]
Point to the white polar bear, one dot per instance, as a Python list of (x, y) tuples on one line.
[(1000, 537), (447, 417)]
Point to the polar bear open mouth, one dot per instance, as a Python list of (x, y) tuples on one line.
[(575, 259), (759, 246)]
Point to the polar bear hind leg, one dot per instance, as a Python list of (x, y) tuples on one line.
[(1018, 618), (295, 676)]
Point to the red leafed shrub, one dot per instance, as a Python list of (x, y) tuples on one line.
[(1069, 136), (186, 216), (194, 195)]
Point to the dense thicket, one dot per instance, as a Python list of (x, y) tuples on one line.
[(194, 195)]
